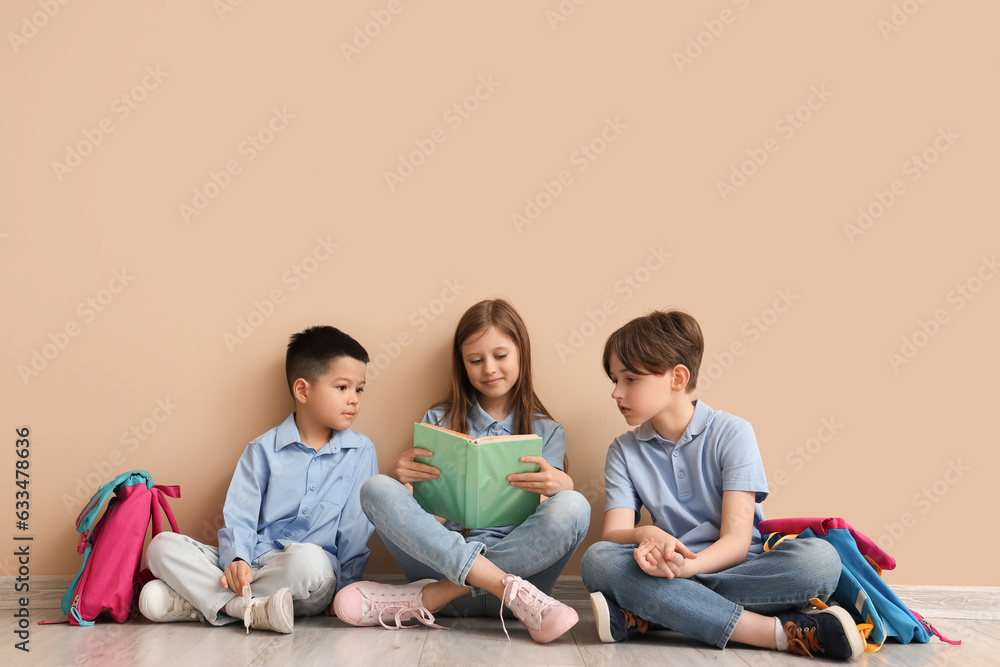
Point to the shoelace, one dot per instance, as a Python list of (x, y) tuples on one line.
[(631, 620), (247, 608), (529, 597), (421, 614), (802, 641), (393, 604), (183, 608)]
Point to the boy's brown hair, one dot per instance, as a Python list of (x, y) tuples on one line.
[(655, 343)]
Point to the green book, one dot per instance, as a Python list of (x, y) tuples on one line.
[(473, 489)]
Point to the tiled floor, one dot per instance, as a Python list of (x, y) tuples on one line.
[(327, 641)]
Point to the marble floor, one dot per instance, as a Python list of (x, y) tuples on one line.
[(322, 641)]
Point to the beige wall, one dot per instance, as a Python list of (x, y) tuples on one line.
[(114, 266)]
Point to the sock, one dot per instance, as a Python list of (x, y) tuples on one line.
[(780, 638), (235, 607)]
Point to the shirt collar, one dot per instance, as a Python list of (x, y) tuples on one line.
[(481, 421), (288, 434), (699, 420)]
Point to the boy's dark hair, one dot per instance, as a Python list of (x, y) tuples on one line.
[(311, 351), (657, 342)]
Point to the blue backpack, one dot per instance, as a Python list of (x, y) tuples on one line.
[(877, 610)]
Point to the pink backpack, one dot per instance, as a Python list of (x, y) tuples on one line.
[(112, 551)]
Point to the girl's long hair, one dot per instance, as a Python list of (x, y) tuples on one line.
[(500, 314)]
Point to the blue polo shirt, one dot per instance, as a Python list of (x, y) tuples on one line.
[(681, 483), (481, 424), (285, 492)]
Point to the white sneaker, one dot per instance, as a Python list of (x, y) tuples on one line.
[(161, 604), (272, 613), (545, 617)]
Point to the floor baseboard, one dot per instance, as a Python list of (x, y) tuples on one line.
[(935, 602)]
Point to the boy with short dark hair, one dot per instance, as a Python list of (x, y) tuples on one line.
[(294, 531), (699, 568)]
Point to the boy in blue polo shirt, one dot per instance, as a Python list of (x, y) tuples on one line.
[(698, 569), (295, 532)]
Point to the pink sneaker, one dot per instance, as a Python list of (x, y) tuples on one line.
[(366, 603), (546, 618)]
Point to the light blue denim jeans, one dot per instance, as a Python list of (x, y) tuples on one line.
[(192, 569), (536, 550), (708, 606)]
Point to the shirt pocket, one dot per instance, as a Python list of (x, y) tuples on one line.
[(337, 490)]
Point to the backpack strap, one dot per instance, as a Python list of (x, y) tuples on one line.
[(821, 526), (90, 511), (68, 601), (158, 499), (953, 642)]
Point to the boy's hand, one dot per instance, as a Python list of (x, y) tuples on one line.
[(667, 558), (406, 470), (237, 575), (548, 481)]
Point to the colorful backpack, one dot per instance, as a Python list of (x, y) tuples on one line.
[(112, 551), (877, 610)]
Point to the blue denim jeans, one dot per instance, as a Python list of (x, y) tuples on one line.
[(536, 550), (708, 606)]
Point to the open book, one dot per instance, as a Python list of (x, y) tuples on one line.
[(473, 489)]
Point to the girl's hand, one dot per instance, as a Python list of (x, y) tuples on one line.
[(548, 481), (406, 470), (652, 558)]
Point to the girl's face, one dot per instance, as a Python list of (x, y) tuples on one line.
[(491, 362)]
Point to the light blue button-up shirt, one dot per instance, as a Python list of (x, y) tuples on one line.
[(681, 484), (284, 492), (481, 425)]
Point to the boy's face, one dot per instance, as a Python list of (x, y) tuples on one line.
[(334, 399), (639, 397)]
